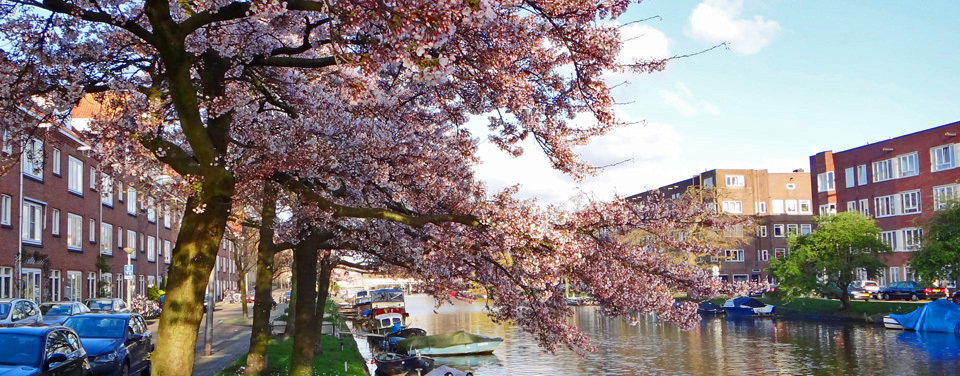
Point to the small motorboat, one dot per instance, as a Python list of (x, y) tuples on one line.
[(747, 307), (393, 364), (708, 308), (940, 315), (456, 343)]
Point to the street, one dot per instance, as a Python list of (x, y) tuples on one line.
[(231, 337)]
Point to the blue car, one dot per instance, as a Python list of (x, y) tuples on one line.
[(23, 352), (117, 344)]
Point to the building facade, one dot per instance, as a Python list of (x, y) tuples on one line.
[(66, 227), (899, 182), (779, 204)]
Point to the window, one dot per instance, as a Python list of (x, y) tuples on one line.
[(74, 231), (56, 161), (890, 239), (791, 186), (151, 249), (761, 231), (131, 201), (75, 175), (894, 274), (943, 194), (761, 207), (32, 158), (734, 255), (166, 252), (864, 207), (763, 255), (909, 165), (5, 204), (120, 191), (708, 182), (132, 242), (151, 210), (792, 229), (778, 231), (942, 158), (885, 206), (791, 206), (32, 225), (733, 207), (119, 237), (6, 282), (862, 174), (91, 285), (882, 170), (7, 145), (910, 201), (828, 209), (825, 181), (54, 279), (806, 228), (777, 207), (734, 180), (779, 252), (93, 178), (166, 216), (106, 281), (849, 177), (93, 230), (106, 190), (912, 238), (851, 206), (73, 288), (55, 222), (106, 235), (141, 285)]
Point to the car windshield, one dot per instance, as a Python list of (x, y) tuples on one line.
[(4, 310), (19, 349), (55, 309), (100, 305), (97, 327)]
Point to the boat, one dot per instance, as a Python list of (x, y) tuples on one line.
[(747, 306), (708, 308), (393, 364), (456, 343), (387, 323), (940, 315)]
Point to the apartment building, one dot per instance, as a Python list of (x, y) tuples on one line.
[(60, 216), (899, 182), (779, 204)]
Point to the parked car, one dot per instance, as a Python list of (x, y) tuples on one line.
[(251, 295), (870, 286), (19, 312), (911, 290), (48, 350), (763, 292), (117, 343), (55, 313), (854, 290), (107, 305)]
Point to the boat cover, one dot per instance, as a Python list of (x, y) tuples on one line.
[(709, 307), (443, 340), (937, 316), (386, 295), (744, 301)]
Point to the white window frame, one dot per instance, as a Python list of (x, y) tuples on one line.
[(793, 229), (734, 255), (894, 274), (864, 207), (6, 205), (763, 255), (55, 222), (825, 181), (32, 159), (93, 230), (884, 170), (131, 201), (790, 206), (733, 207), (852, 205), (75, 175), (56, 161), (6, 282), (736, 181), (53, 278), (910, 202), (75, 282), (166, 216), (132, 242), (805, 207), (151, 249), (827, 209), (93, 178), (890, 238), (779, 231), (106, 190), (908, 165), (166, 252), (106, 238), (862, 175), (806, 228), (761, 231), (120, 191), (912, 238), (151, 210), (74, 232), (120, 237), (31, 226), (849, 177), (943, 194), (761, 207), (943, 157), (6, 146), (91, 285), (776, 207), (779, 252)]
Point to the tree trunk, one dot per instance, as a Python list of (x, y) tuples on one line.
[(260, 333), (243, 292), (327, 263), (193, 258), (291, 317), (301, 360)]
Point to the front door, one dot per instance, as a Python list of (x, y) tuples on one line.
[(31, 284)]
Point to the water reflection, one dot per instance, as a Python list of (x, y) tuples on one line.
[(719, 346)]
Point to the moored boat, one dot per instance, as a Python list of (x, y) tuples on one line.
[(393, 364), (746, 306), (937, 316), (456, 343)]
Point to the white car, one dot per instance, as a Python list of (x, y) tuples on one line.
[(869, 286), (19, 312)]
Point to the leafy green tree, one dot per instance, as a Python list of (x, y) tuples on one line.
[(939, 257), (839, 245)]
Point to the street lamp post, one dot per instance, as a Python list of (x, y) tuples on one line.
[(126, 278)]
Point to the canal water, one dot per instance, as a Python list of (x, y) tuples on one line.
[(720, 346)]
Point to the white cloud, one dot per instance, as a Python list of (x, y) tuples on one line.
[(642, 42), (685, 103), (718, 21)]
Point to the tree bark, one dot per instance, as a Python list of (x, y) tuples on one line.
[(301, 360), (327, 263), (260, 333), (291, 317), (243, 293), (193, 258)]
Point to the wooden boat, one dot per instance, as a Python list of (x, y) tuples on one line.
[(456, 343), (393, 364)]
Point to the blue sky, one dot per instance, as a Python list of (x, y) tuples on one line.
[(798, 77)]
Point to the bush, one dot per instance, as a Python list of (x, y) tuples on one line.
[(154, 292)]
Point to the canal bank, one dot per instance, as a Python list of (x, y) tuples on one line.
[(868, 312)]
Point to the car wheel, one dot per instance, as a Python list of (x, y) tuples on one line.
[(125, 370), (886, 296), (146, 370), (913, 297)]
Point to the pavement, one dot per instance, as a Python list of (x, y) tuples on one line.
[(231, 337)]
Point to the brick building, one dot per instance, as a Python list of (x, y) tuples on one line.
[(59, 212), (778, 204), (900, 182)]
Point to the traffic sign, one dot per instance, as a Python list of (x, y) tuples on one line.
[(128, 272)]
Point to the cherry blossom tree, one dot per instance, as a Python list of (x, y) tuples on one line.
[(357, 110)]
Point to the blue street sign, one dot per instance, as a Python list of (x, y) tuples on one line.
[(128, 272)]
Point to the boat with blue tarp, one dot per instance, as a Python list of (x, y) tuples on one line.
[(937, 316)]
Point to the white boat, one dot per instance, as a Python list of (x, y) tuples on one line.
[(891, 323)]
